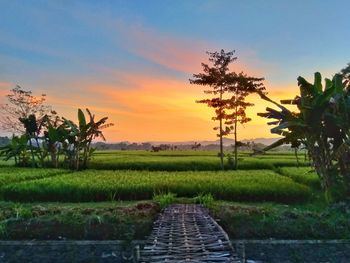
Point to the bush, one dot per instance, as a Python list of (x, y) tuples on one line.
[(164, 199), (205, 199)]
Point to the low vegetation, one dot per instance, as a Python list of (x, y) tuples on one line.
[(97, 221), (14, 174), (98, 185), (264, 220), (320, 125), (298, 210), (303, 175), (185, 161)]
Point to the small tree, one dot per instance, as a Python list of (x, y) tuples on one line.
[(241, 86), (21, 104)]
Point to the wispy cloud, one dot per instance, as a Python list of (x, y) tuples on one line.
[(173, 52), (145, 91)]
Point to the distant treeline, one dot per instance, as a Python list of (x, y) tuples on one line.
[(161, 147)]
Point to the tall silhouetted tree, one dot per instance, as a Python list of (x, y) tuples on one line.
[(221, 81), (216, 76)]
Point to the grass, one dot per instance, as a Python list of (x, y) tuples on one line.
[(15, 174), (264, 220), (205, 199), (184, 161), (303, 175), (102, 185), (269, 197), (107, 220), (133, 220), (164, 199)]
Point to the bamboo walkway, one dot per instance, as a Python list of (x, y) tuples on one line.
[(187, 233)]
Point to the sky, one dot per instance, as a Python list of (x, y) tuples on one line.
[(131, 60)]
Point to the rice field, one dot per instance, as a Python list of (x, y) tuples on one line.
[(98, 185), (303, 175), (186, 160), (15, 174), (139, 175)]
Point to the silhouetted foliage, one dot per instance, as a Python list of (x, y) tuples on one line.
[(229, 109), (21, 104), (345, 73), (55, 138), (240, 87), (322, 126), (216, 76), (196, 146)]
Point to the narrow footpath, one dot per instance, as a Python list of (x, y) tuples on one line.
[(187, 233)]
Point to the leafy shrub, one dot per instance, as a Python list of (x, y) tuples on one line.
[(22, 212), (3, 229), (204, 199), (164, 199)]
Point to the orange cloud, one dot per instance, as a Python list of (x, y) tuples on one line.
[(151, 106), (163, 49)]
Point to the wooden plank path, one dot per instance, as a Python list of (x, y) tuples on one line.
[(187, 233)]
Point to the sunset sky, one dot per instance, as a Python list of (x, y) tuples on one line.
[(131, 60)]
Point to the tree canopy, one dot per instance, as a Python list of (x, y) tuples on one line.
[(21, 104), (229, 91)]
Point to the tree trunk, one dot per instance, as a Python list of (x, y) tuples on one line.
[(77, 159), (39, 150), (53, 158), (236, 148), (322, 167), (31, 151), (220, 134), (345, 171), (296, 156)]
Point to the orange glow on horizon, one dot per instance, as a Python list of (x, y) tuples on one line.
[(154, 108), (161, 109), (151, 105)]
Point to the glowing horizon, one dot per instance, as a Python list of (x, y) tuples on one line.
[(131, 61)]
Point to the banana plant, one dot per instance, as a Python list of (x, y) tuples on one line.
[(321, 125), (16, 150), (52, 137), (81, 136), (33, 129), (55, 137), (92, 129)]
